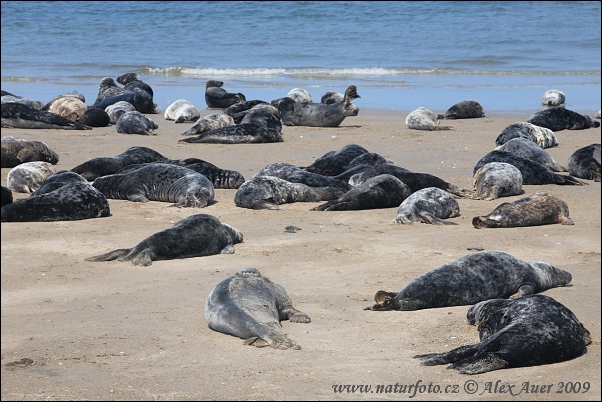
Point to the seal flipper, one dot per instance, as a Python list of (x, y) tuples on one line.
[(384, 301), (524, 290), (480, 363), (111, 255), (144, 257), (434, 359), (229, 249)]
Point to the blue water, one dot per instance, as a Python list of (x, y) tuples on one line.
[(400, 55)]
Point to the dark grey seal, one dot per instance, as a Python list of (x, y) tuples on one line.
[(117, 109), (585, 163), (64, 196), (29, 176), (239, 110), (528, 331), (7, 196), (217, 97), (429, 205), (317, 114), (194, 236), (104, 166), (361, 163), (468, 109), (558, 118), (529, 150), (208, 123), (136, 123), (295, 174), (424, 119), (182, 111), (497, 179), (18, 115), (536, 210), (16, 151), (268, 192), (384, 191), (159, 182), (7, 97), (532, 172), (108, 88), (473, 278), (332, 97), (95, 117), (141, 101), (543, 137), (133, 82), (250, 306), (336, 162), (553, 97)]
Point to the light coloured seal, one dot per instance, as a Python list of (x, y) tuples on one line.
[(218, 97), (557, 118), (543, 137), (429, 205), (196, 235), (497, 179), (17, 150), (18, 115), (529, 150), (553, 97), (536, 210), (468, 109), (473, 278), (528, 331), (250, 306), (424, 119), (182, 111), (208, 123), (117, 109), (585, 163), (29, 176), (68, 107), (136, 123), (299, 95)]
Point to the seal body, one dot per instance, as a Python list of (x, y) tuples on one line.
[(529, 150), (473, 278), (29, 176), (585, 163), (468, 109), (196, 235), (239, 110), (295, 174), (68, 107), (558, 118), (497, 179), (424, 119), (543, 137), (250, 306), (299, 95), (133, 82), (7, 196), (208, 123), (217, 97), (18, 115), (362, 163), (336, 162), (141, 101), (553, 97), (117, 109), (108, 88), (182, 111), (429, 205), (159, 182), (536, 210), (95, 117), (136, 123), (7, 97), (332, 97), (527, 331), (16, 151)]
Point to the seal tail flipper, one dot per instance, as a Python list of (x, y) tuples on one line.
[(454, 355), (480, 363), (110, 256), (568, 181), (384, 301), (350, 94)]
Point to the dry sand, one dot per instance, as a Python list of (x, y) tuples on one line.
[(115, 331)]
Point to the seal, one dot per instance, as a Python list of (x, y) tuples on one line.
[(18, 115), (536, 210), (383, 191), (95, 117), (529, 150), (361, 163), (159, 182), (468, 109), (7, 196), (529, 331), (333, 163), (598, 114), (250, 306), (68, 107), (197, 235), (585, 163), (497, 179), (136, 123), (317, 114), (108, 88), (64, 196), (117, 109), (7, 97), (29, 176), (17, 150), (182, 111), (332, 97), (553, 97), (72, 94), (104, 166), (532, 172), (473, 278), (299, 95), (219, 98), (133, 82), (239, 110), (415, 181), (295, 174), (259, 126), (558, 118), (268, 192), (424, 119), (208, 123), (429, 205), (141, 101), (543, 137)]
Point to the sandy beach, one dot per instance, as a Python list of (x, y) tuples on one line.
[(115, 331)]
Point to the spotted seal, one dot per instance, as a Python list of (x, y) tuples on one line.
[(17, 150), (103, 166), (64, 196), (117, 109), (7, 196), (532, 172), (208, 123), (424, 119), (527, 331), (136, 123), (429, 205), (361, 163), (7, 97), (182, 111), (68, 107), (217, 97), (108, 88), (295, 174), (468, 109), (473, 278), (29, 176), (332, 97), (18, 115), (299, 95), (250, 306), (333, 163), (133, 82), (585, 163), (141, 101), (529, 150), (196, 235), (317, 114), (159, 182), (497, 179), (558, 118), (536, 210), (383, 191), (239, 110), (543, 137), (553, 97)]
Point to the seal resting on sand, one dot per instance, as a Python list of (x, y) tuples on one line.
[(468, 109), (497, 179), (424, 119), (217, 97), (299, 95), (429, 205), (18, 115), (29, 176), (250, 306), (543, 137), (136, 123), (585, 163), (558, 118), (528, 149), (182, 111), (336, 162), (17, 150), (208, 123), (553, 97)]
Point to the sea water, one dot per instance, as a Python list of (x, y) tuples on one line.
[(399, 55)]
